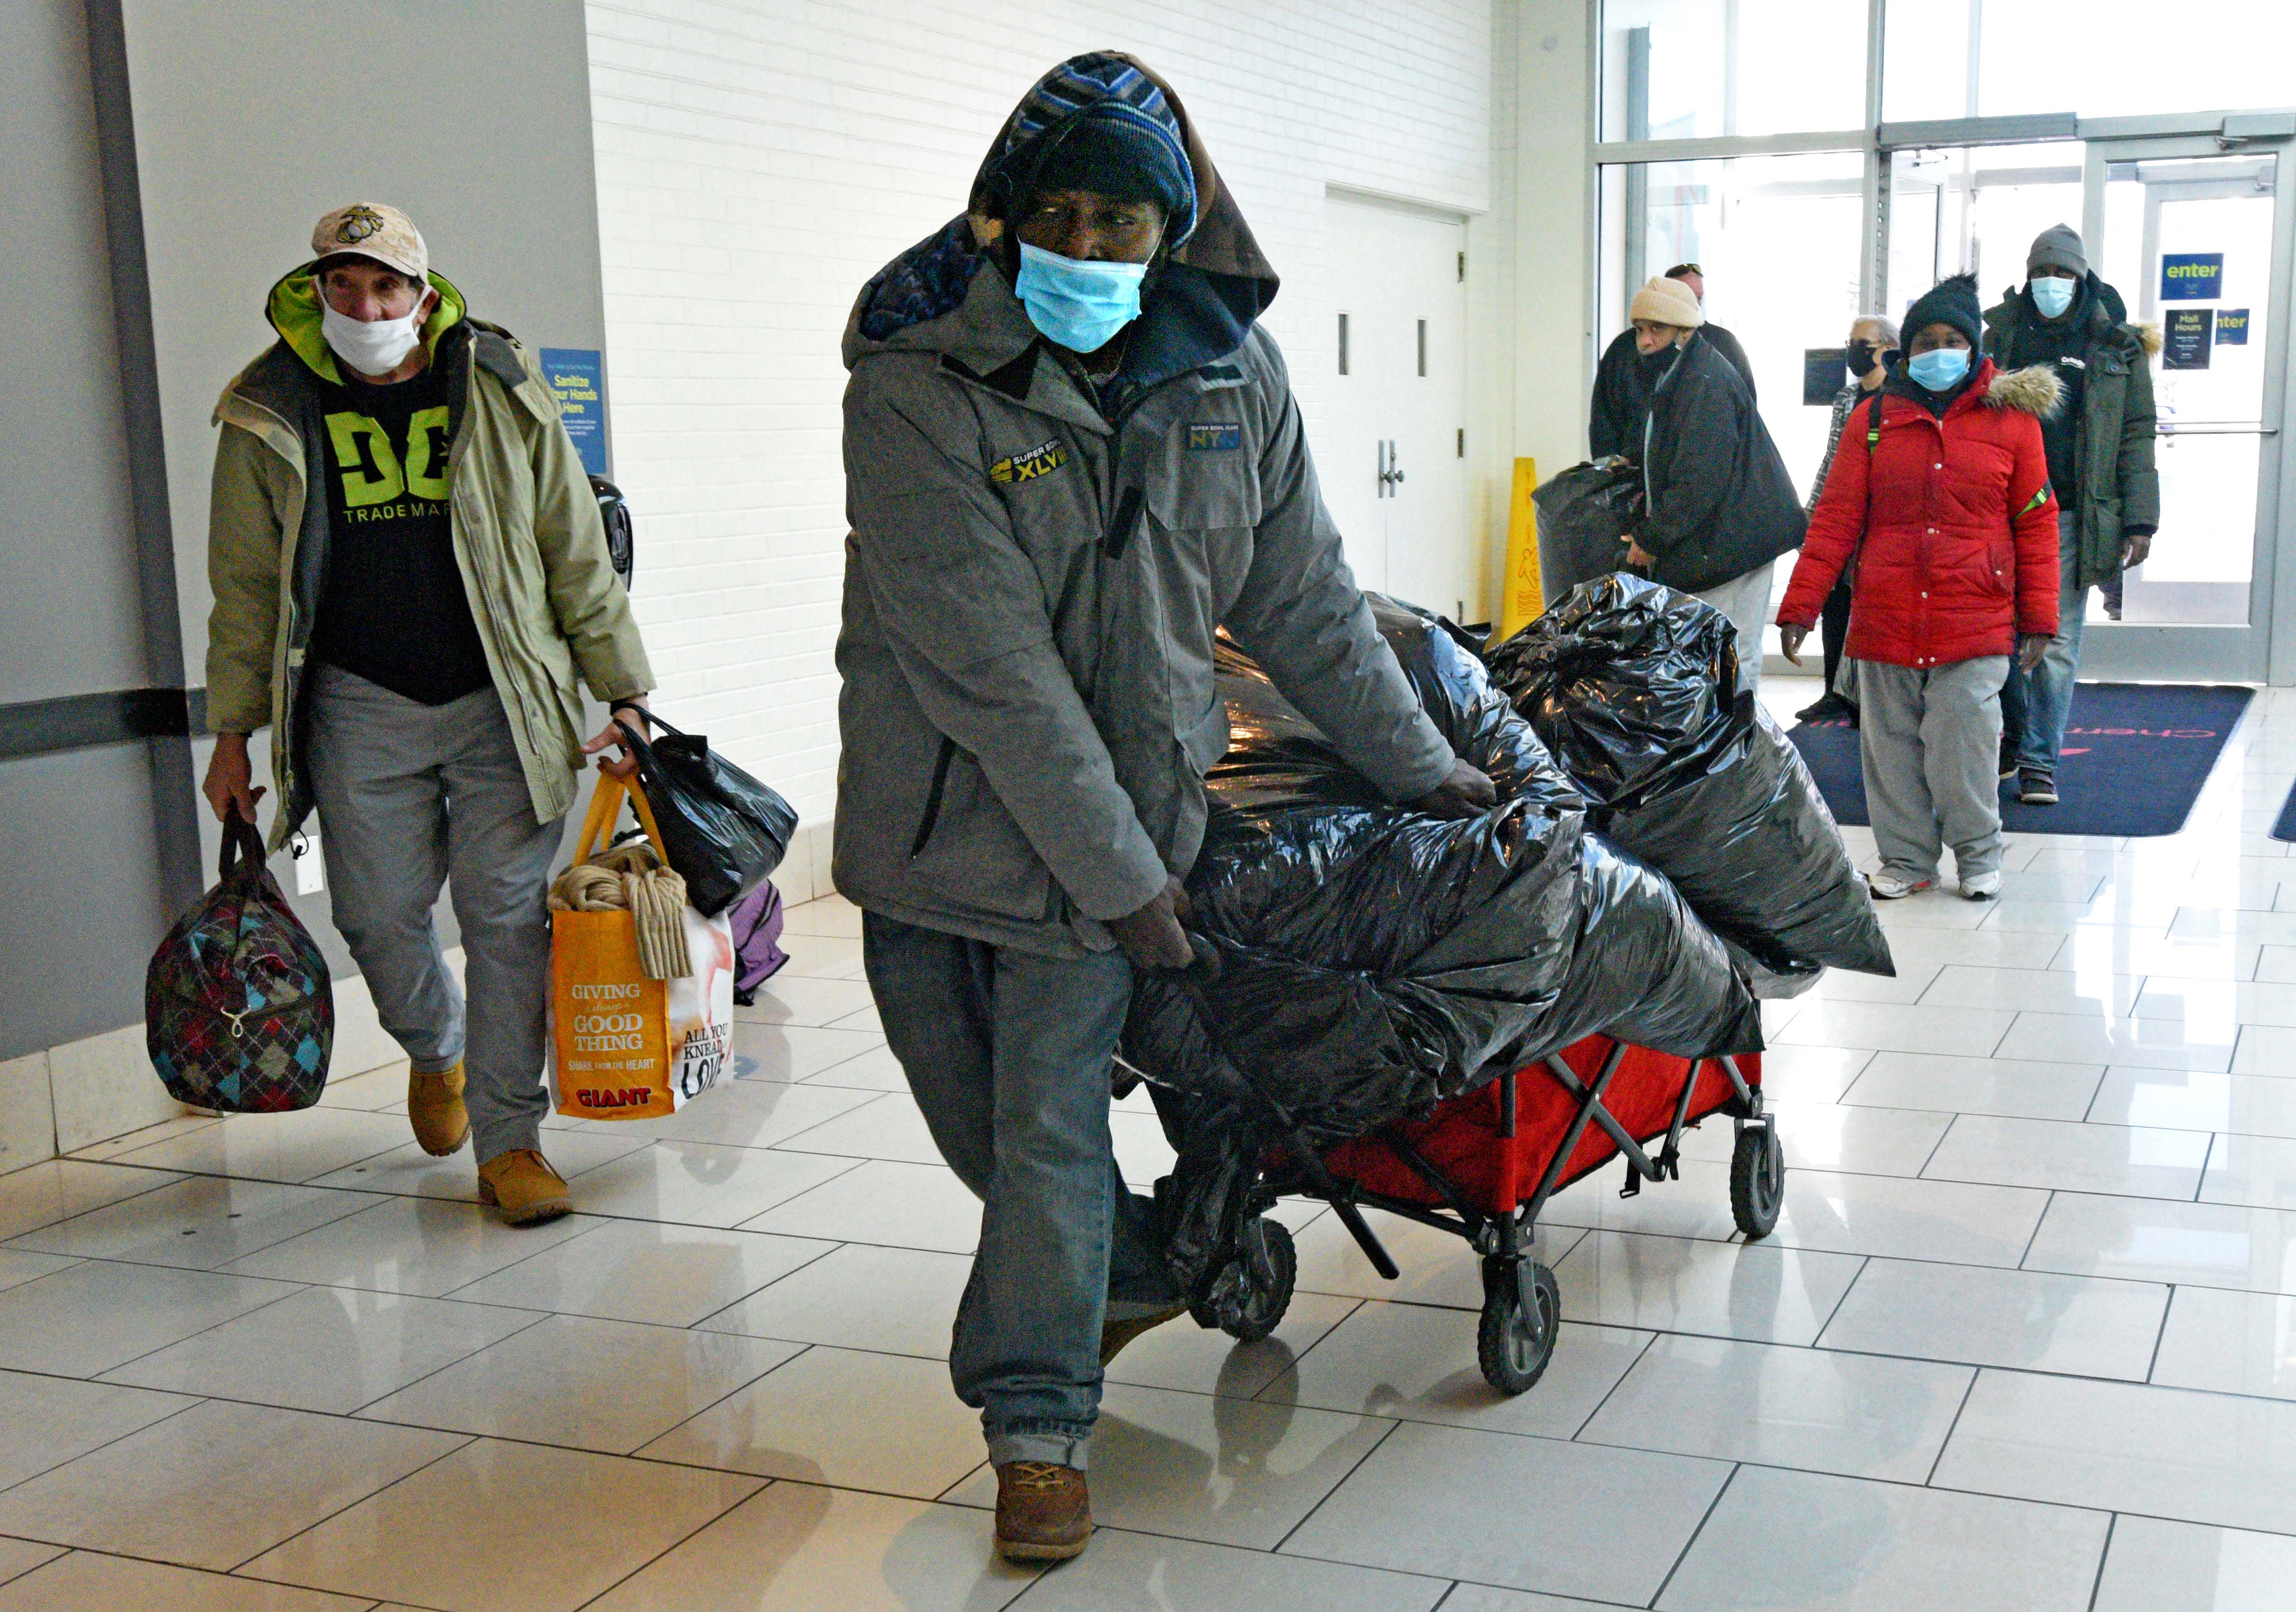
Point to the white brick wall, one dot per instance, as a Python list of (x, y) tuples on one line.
[(758, 160)]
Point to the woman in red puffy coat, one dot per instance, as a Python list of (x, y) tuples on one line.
[(1940, 496)]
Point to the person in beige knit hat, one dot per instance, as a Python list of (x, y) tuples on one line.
[(1720, 507), (1624, 377), (1663, 313)]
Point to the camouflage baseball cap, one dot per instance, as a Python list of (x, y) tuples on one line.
[(377, 230)]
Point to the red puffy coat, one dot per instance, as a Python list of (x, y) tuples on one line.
[(1958, 553)]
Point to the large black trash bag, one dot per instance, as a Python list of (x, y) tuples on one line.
[(1634, 688), (1584, 516), (1373, 960), (1446, 671)]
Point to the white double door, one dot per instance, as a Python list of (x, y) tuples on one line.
[(1389, 442)]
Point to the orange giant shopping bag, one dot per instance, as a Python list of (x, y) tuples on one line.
[(623, 1045)]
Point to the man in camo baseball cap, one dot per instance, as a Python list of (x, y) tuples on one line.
[(377, 230)]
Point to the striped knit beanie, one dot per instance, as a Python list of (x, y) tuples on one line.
[(1094, 122)]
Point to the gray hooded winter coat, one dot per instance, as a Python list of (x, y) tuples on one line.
[(1036, 570)]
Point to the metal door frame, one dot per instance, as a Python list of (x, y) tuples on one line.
[(2254, 652)]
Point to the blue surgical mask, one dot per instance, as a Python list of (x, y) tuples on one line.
[(1939, 367), (1078, 303), (2052, 295)]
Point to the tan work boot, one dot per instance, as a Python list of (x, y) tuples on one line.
[(434, 1107), (1044, 1511), (523, 1185)]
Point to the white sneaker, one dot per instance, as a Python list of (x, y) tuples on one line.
[(1981, 886), (1891, 887)]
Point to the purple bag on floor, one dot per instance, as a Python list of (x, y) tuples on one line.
[(757, 923)]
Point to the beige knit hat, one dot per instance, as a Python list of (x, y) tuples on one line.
[(1665, 302), (377, 230)]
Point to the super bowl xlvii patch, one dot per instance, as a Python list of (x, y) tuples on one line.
[(1214, 436), (1041, 460)]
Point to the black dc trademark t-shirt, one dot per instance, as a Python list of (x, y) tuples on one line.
[(393, 609)]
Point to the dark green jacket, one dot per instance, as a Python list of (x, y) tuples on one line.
[(2118, 491)]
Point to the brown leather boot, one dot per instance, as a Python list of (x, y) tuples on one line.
[(434, 1107), (523, 1185), (1044, 1511)]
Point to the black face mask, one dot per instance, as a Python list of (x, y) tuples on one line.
[(1863, 356)]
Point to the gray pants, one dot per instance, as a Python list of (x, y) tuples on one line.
[(411, 796), (1009, 1055), (1930, 741), (1746, 601)]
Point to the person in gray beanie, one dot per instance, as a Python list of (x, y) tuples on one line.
[(2099, 451)]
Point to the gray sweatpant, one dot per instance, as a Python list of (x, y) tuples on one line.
[(1746, 599), (1930, 741), (411, 796)]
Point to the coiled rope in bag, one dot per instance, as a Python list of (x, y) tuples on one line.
[(632, 879)]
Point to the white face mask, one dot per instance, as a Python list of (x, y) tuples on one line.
[(373, 347)]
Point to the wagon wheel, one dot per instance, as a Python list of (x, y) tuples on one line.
[(1248, 1300), (1511, 1345), (1758, 1180)]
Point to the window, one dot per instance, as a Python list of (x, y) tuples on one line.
[(2101, 58), (1976, 208), (1779, 241), (1679, 70)]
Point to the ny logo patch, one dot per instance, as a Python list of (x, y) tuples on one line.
[(1212, 436)]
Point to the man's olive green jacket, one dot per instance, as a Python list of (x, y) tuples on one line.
[(527, 539)]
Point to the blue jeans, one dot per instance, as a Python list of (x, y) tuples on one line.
[(1009, 1055), (2034, 703)]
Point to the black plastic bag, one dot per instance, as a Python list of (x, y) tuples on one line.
[(1634, 688), (1372, 961), (723, 831), (1454, 687), (1584, 516)]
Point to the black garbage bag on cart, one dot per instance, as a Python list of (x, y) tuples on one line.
[(1585, 513), (1446, 671), (1372, 961), (1633, 689)]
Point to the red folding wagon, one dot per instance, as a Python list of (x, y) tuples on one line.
[(1484, 1164)]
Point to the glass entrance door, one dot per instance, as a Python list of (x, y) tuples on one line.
[(2189, 234)]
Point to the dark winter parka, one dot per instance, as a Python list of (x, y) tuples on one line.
[(1720, 501), (2117, 493), (1948, 519)]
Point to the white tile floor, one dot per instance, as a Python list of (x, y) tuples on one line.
[(2025, 1337)]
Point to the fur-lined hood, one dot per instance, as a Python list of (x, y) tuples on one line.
[(2034, 389)]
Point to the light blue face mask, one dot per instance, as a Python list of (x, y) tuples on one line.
[(1077, 303), (2052, 295), (1939, 368)]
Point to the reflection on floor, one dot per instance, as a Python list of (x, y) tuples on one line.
[(2026, 1337)]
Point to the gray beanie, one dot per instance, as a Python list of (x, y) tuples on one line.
[(2057, 247)]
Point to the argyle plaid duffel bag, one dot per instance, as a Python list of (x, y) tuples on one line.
[(238, 1010)]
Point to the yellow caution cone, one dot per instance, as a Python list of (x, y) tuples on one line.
[(1525, 599)]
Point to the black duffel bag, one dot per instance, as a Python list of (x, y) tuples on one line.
[(723, 831)]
